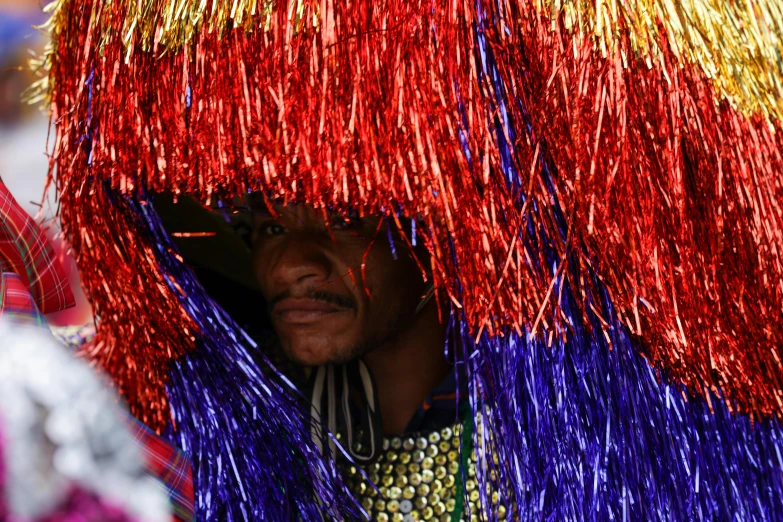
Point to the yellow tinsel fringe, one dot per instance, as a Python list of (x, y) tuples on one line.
[(739, 44)]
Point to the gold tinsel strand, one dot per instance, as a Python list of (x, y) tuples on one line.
[(737, 44)]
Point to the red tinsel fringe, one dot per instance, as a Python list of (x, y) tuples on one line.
[(676, 196)]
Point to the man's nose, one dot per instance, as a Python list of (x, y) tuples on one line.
[(301, 261)]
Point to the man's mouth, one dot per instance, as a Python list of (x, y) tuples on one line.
[(305, 310)]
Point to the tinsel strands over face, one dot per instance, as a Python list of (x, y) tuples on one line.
[(667, 191), (236, 418)]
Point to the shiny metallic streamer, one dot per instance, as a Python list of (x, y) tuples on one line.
[(236, 418), (674, 194), (587, 430), (588, 195), (737, 44)]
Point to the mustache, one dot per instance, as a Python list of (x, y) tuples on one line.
[(317, 295)]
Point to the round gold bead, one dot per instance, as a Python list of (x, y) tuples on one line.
[(440, 459), (408, 492), (427, 463), (387, 468), (423, 490), (474, 496), (436, 486), (420, 503), (394, 493), (398, 517), (426, 513), (414, 467), (433, 437), (439, 508), (440, 472), (392, 506), (418, 455), (431, 451), (415, 479), (453, 467), (367, 504), (387, 480), (396, 443), (382, 517), (391, 456), (433, 499), (470, 485), (380, 504), (446, 433), (405, 458), (408, 444), (427, 476), (450, 504), (401, 481), (448, 481), (421, 443)]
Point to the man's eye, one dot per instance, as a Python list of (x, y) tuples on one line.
[(272, 229)]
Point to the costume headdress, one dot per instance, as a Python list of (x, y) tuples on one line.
[(598, 184)]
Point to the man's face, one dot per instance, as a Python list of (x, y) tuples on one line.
[(332, 297)]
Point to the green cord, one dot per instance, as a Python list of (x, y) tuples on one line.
[(467, 442)]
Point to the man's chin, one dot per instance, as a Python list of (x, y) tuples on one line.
[(318, 355)]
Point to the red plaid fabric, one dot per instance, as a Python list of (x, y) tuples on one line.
[(26, 251), (164, 461), (33, 282), (170, 466), (16, 302)]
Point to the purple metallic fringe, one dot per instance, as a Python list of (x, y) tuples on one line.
[(247, 438), (582, 429), (586, 430)]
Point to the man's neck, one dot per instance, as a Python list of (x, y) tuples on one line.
[(409, 368)]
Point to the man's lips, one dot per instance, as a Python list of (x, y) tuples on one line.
[(305, 310)]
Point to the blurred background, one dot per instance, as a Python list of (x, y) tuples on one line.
[(23, 135)]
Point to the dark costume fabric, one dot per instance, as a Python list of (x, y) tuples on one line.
[(598, 186)]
